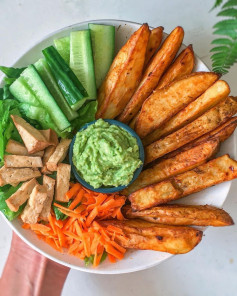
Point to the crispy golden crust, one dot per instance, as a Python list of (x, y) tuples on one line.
[(153, 43), (211, 97), (211, 173), (182, 215), (209, 121), (149, 236), (124, 75), (182, 66), (164, 103), (152, 75), (173, 166), (221, 133)]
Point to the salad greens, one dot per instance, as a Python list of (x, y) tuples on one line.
[(89, 260), (12, 72), (5, 192), (58, 214)]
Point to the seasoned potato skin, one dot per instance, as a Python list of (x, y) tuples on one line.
[(206, 175), (123, 76), (210, 98), (159, 63), (150, 236), (164, 103), (221, 133), (153, 43), (173, 166), (182, 66), (182, 215), (209, 121)]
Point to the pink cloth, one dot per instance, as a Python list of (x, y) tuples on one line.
[(27, 273)]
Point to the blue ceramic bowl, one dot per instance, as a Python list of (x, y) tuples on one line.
[(108, 189)]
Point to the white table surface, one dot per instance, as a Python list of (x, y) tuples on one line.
[(211, 269)]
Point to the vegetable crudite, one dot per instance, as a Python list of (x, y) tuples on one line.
[(75, 89)]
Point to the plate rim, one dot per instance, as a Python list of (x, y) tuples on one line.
[(51, 257)]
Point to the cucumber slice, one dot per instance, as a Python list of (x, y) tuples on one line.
[(63, 47), (103, 43), (81, 60), (46, 75), (44, 97), (20, 90)]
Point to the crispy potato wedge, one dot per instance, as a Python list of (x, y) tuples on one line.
[(164, 103), (220, 134), (153, 73), (211, 173), (124, 75), (202, 125), (144, 235), (153, 43), (211, 97), (182, 66), (155, 194), (173, 166), (182, 215)]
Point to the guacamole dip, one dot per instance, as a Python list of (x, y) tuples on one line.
[(105, 155)]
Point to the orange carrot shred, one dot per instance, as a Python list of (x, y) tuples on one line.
[(111, 258), (77, 199)]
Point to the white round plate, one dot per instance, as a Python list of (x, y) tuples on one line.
[(134, 260)]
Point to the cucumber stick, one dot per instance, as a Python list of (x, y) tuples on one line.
[(81, 60), (20, 90), (103, 43), (70, 86), (33, 80), (46, 75), (63, 47)]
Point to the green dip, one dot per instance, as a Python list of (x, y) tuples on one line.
[(106, 155)]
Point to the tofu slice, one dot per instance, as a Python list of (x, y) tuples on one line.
[(58, 155), (34, 205), (48, 152), (49, 183), (20, 161), (21, 195), (14, 147), (62, 183), (51, 136), (32, 138), (14, 176)]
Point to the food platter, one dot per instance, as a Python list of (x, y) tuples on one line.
[(134, 260)]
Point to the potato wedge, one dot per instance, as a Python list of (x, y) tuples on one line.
[(153, 73), (182, 215), (153, 43), (124, 75), (182, 66), (173, 166), (143, 235), (211, 173), (202, 125), (155, 194), (211, 97), (220, 134), (164, 103)]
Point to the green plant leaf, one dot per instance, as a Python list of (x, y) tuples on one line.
[(230, 3), (231, 12)]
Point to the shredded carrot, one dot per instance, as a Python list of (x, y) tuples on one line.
[(73, 191), (81, 233)]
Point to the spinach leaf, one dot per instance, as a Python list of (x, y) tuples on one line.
[(58, 214), (12, 72)]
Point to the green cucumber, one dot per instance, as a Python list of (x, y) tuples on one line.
[(81, 60), (44, 97), (63, 47), (46, 75), (20, 90), (103, 43), (70, 86)]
